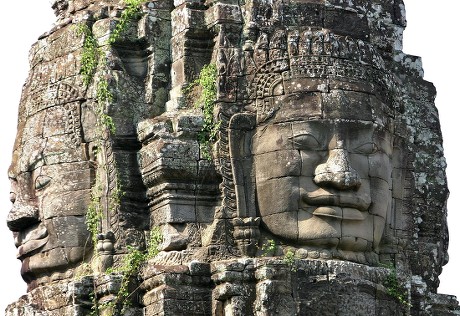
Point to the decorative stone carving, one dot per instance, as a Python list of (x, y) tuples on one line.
[(325, 192)]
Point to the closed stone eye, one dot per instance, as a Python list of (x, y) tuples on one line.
[(367, 148), (41, 182), (305, 141)]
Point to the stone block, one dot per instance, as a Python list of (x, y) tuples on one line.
[(347, 23), (185, 19), (221, 13), (173, 213), (199, 268)]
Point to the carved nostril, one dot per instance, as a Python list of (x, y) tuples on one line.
[(337, 172), (22, 216)]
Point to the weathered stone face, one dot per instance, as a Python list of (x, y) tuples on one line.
[(51, 184), (323, 171), (324, 183)]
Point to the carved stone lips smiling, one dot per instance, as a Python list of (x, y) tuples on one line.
[(344, 200), (31, 239)]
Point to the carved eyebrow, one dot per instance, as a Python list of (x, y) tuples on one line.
[(42, 160), (36, 161)]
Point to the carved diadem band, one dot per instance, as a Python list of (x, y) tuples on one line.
[(51, 95), (313, 53), (324, 68)]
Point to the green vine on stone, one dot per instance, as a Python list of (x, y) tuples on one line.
[(207, 83), (130, 266), (116, 195), (94, 213), (92, 58), (103, 93), (394, 286), (131, 11), (90, 54)]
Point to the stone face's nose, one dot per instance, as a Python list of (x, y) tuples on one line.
[(337, 171), (24, 212), (22, 216)]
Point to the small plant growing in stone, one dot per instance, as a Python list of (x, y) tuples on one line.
[(207, 85), (269, 248), (394, 286), (131, 11), (130, 266), (289, 259)]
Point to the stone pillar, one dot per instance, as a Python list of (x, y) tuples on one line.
[(182, 188), (191, 48), (177, 289), (234, 287)]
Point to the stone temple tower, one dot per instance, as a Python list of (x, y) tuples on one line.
[(262, 157)]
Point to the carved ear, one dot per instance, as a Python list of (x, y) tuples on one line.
[(241, 128)]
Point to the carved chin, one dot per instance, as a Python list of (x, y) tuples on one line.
[(354, 231)]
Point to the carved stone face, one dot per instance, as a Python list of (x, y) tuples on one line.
[(51, 184), (323, 171)]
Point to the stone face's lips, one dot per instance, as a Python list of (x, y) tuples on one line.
[(338, 212), (30, 240), (30, 246), (347, 200)]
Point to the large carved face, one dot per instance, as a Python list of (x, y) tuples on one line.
[(51, 184), (323, 170)]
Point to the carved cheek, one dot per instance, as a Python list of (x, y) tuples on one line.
[(279, 195), (69, 231), (69, 191), (380, 166), (277, 177), (381, 197), (65, 203), (277, 164), (360, 163)]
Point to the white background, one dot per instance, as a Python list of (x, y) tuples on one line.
[(431, 33)]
